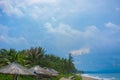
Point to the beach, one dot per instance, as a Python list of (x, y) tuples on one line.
[(88, 78), (83, 78)]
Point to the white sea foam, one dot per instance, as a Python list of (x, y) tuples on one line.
[(97, 77)]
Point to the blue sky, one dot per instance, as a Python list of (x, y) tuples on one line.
[(89, 29)]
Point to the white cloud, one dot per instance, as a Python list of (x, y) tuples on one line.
[(5, 38), (30, 8), (67, 30), (65, 36), (112, 26), (63, 29), (90, 31), (80, 51), (46, 8), (41, 1), (9, 9), (13, 40)]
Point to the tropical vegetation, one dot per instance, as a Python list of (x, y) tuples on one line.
[(37, 56)]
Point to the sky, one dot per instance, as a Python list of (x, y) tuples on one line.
[(88, 29)]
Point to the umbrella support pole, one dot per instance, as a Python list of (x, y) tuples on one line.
[(15, 77), (36, 77)]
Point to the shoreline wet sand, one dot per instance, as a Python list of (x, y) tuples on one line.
[(88, 78), (83, 78)]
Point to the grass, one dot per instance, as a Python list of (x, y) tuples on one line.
[(10, 77), (76, 77)]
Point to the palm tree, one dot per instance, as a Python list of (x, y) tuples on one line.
[(34, 56), (3, 57), (21, 57), (7, 56)]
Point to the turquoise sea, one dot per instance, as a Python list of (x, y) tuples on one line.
[(103, 76), (104, 65)]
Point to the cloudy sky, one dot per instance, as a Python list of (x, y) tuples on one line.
[(89, 29)]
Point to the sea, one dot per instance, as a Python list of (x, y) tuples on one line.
[(103, 65), (103, 76)]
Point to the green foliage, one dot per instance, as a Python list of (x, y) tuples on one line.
[(34, 56), (26, 78), (61, 75), (10, 77), (37, 56), (76, 77), (5, 77), (7, 56), (71, 67)]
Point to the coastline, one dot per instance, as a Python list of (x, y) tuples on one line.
[(97, 77), (88, 78), (83, 78)]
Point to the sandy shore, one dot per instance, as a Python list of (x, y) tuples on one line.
[(83, 78), (88, 78)]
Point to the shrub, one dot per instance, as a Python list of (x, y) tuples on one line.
[(77, 77)]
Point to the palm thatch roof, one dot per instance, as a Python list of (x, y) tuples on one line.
[(16, 69), (41, 72), (38, 70), (52, 71)]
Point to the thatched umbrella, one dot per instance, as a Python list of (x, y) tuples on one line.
[(41, 72), (52, 71), (55, 73), (15, 69)]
